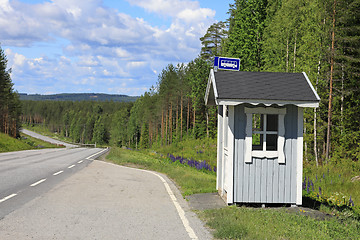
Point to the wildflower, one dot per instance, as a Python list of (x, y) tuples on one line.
[(351, 202), (320, 190), (304, 185)]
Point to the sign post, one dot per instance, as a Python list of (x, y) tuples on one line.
[(232, 64)]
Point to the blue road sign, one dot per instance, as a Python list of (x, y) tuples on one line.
[(224, 63)]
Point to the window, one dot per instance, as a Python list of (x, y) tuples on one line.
[(265, 133)]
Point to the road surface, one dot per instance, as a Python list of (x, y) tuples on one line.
[(27, 174), (63, 194)]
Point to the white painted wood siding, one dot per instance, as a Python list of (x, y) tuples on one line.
[(265, 180)]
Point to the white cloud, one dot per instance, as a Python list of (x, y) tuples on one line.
[(100, 43), (88, 61), (196, 15), (19, 59), (136, 64), (165, 7)]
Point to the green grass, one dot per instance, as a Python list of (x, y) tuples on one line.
[(9, 144), (335, 180), (189, 180), (249, 223)]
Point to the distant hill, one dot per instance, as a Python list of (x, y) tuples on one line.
[(78, 97)]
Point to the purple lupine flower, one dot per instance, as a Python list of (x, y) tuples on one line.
[(307, 189), (323, 175), (320, 190), (304, 184), (351, 202), (312, 185), (214, 169), (308, 185)]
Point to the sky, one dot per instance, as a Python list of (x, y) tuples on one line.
[(101, 46)]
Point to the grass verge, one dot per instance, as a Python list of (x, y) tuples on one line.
[(333, 180), (248, 223), (9, 144), (189, 180)]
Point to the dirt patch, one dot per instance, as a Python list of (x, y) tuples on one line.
[(310, 213)]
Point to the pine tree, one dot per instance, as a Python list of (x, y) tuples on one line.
[(212, 41), (10, 107)]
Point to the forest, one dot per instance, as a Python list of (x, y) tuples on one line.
[(319, 37)]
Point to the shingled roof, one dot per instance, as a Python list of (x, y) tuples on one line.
[(235, 87)]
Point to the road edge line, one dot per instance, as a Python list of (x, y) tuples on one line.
[(90, 157)]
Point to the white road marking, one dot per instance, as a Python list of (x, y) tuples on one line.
[(8, 197), (57, 173), (90, 157), (80, 161), (71, 166), (38, 182), (179, 209)]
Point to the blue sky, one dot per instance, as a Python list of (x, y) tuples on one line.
[(101, 46)]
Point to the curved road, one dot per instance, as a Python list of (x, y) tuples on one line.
[(47, 139), (64, 194)]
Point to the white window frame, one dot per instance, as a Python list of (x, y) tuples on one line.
[(280, 153)]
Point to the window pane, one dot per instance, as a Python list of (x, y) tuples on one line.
[(272, 122), (258, 122), (257, 141), (271, 142)]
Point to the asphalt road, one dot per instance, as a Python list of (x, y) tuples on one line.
[(64, 194), (47, 139), (25, 175)]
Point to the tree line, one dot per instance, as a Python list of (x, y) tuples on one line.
[(167, 113), (81, 121)]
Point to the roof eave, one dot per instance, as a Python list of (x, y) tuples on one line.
[(311, 86), (233, 102), (211, 89)]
